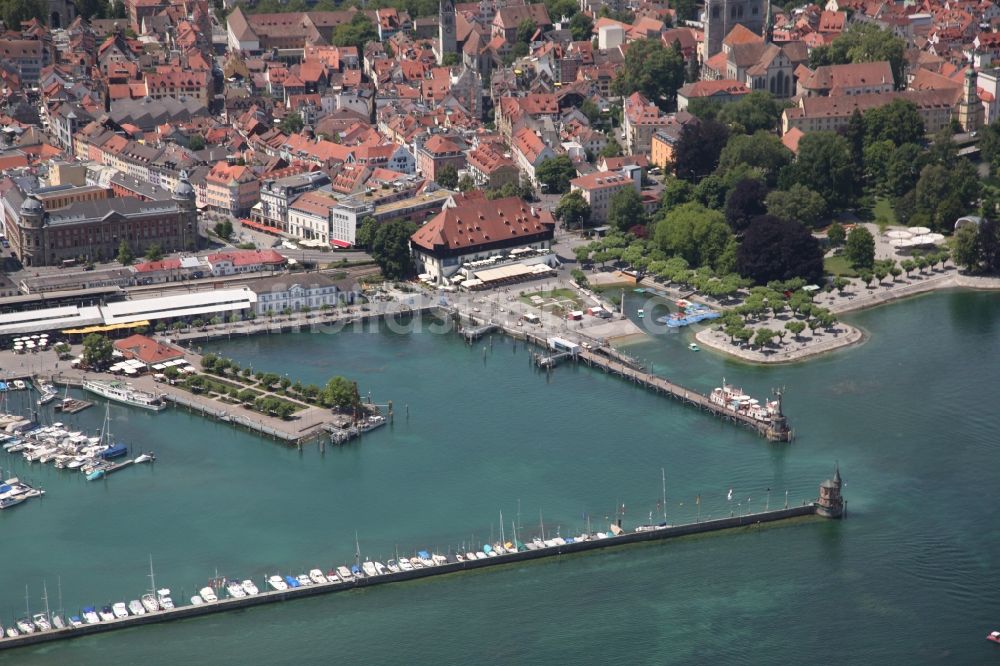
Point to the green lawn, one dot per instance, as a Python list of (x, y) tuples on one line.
[(883, 209), (838, 265)]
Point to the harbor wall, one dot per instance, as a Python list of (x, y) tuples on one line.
[(268, 597)]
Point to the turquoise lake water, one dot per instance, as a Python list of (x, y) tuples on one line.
[(909, 577)]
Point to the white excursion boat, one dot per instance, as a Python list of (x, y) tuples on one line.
[(249, 587), (208, 594), (123, 392), (196, 600), (278, 583)]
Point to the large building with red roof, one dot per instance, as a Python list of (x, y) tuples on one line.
[(476, 228)]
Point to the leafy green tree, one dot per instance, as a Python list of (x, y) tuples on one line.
[(825, 165), (836, 234), (860, 248), (756, 111), (366, 232), (904, 169), (555, 173), (898, 122), (466, 183), (341, 393), (654, 70), (447, 177), (763, 337), (573, 210), (695, 233), (625, 210), (744, 202), (154, 252), (699, 148), (223, 229), (944, 194), (711, 192), (676, 192), (97, 350), (966, 247), (776, 249), (989, 144), (450, 60), (292, 123), (762, 151), (582, 27), (15, 12), (798, 203), (196, 142), (525, 30), (358, 32), (391, 249), (125, 255)]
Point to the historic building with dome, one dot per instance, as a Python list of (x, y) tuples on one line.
[(48, 226)]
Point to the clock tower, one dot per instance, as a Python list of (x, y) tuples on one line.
[(446, 29)]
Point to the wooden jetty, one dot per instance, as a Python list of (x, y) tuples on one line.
[(72, 405)]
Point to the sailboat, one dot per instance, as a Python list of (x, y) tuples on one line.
[(651, 525), (149, 601), (66, 400)]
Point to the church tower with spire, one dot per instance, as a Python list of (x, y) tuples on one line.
[(721, 16), (970, 109)]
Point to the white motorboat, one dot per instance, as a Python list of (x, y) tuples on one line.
[(369, 569), (75, 622), (317, 577), (106, 614), (12, 632), (234, 588), (392, 566), (196, 600), (208, 594), (144, 457), (404, 564), (379, 568), (57, 623), (19, 385), (438, 560), (249, 587), (120, 610), (278, 583), (25, 626), (470, 556), (163, 598), (41, 621), (304, 580), (136, 607), (149, 603), (90, 615), (345, 574)]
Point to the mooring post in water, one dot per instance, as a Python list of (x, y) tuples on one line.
[(407, 411)]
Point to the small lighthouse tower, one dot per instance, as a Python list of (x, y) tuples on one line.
[(831, 503)]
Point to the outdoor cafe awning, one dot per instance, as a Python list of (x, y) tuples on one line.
[(105, 328)]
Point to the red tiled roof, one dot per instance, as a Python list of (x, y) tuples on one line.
[(475, 221), (147, 350)]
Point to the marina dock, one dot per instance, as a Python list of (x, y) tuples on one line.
[(830, 504), (616, 363)]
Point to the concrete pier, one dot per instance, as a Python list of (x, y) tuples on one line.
[(746, 521)]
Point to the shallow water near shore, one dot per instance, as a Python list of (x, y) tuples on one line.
[(909, 577)]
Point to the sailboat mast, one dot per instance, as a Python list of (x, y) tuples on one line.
[(502, 539), (152, 577), (664, 475), (45, 598), (59, 585), (27, 605), (541, 524), (357, 550)]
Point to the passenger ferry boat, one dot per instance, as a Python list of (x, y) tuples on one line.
[(734, 399), (122, 392)]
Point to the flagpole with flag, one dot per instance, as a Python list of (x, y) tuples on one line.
[(697, 500)]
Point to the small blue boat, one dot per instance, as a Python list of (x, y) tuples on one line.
[(356, 570), (95, 475), (424, 555), (292, 582), (115, 451)]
